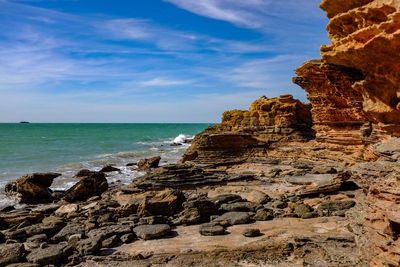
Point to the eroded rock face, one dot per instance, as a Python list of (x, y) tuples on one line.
[(248, 133), (366, 36), (91, 184)]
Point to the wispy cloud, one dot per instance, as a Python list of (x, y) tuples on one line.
[(164, 82), (249, 13)]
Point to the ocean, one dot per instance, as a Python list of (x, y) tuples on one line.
[(68, 147)]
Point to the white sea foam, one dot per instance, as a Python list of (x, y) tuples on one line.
[(169, 154), (180, 139)]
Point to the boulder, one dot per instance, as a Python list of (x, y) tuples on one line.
[(331, 207), (234, 218), (152, 231), (264, 214), (147, 164), (53, 254), (94, 183), (69, 230), (163, 203), (11, 253), (239, 206), (211, 229), (32, 188), (109, 168), (251, 232)]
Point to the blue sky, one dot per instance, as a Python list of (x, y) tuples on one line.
[(150, 60)]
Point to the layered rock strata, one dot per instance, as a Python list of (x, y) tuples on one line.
[(248, 133)]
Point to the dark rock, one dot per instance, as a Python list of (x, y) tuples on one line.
[(154, 220), (93, 184), (303, 211), (185, 176), (131, 164), (53, 254), (11, 253), (147, 164), (234, 217), (109, 168), (211, 229), (279, 204), (226, 198), (251, 232), (239, 206), (90, 245), (128, 238), (32, 188), (7, 209), (110, 242), (108, 231), (2, 238), (152, 231), (264, 215), (330, 207), (69, 230)]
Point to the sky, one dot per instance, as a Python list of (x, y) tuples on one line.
[(150, 60)]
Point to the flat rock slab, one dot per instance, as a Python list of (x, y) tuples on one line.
[(189, 239), (152, 231), (234, 217)]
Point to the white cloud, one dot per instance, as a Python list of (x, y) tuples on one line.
[(164, 82)]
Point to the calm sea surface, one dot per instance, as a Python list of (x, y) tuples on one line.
[(66, 148)]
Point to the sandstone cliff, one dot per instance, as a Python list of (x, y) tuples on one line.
[(245, 133)]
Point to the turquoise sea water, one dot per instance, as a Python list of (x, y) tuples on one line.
[(66, 148)]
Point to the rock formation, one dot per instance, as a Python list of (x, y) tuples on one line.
[(247, 133), (366, 36)]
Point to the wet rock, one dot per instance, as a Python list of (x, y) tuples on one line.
[(109, 168), (164, 203), (128, 238), (251, 232), (11, 253), (264, 214), (211, 229), (234, 218), (147, 164), (239, 206), (93, 184), (152, 231), (331, 207), (2, 238), (32, 188), (131, 164), (69, 230), (53, 254)]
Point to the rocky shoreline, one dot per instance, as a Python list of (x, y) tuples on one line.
[(282, 184)]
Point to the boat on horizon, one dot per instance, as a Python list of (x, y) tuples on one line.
[(24, 122)]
